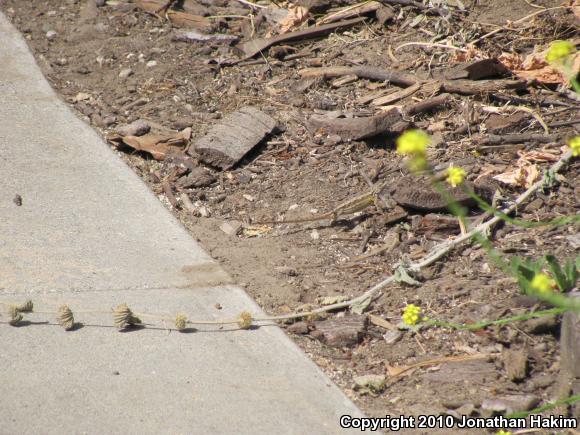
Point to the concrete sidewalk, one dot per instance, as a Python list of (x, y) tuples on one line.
[(90, 234)]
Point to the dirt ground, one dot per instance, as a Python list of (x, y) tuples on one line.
[(83, 46)]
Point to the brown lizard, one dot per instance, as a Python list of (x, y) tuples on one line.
[(350, 206), (408, 192)]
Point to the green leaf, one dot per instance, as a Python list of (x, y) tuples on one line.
[(557, 272), (401, 275), (361, 306)]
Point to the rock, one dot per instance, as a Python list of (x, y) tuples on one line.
[(228, 141), (125, 72), (231, 228), (50, 35), (300, 328), (100, 3), (541, 325), (384, 14), (373, 384), (391, 337), (198, 177), (466, 409), (286, 270), (508, 404), (151, 64), (136, 128), (342, 332), (516, 363), (574, 240)]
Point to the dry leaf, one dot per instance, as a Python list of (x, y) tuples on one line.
[(158, 145), (539, 156), (535, 67), (472, 53), (379, 321), (296, 16), (351, 11), (523, 175)]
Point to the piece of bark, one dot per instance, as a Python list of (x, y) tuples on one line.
[(384, 15), (396, 96), (228, 141), (493, 139), (342, 332), (478, 70), (350, 11), (255, 46), (468, 87), (427, 105), (498, 124), (516, 363), (436, 223), (198, 177), (359, 128), (169, 194)]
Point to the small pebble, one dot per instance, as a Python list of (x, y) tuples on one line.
[(151, 64), (126, 72), (231, 228), (136, 128), (50, 35)]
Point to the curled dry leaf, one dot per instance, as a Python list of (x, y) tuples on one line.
[(158, 145), (535, 67), (539, 156), (296, 16), (524, 174)]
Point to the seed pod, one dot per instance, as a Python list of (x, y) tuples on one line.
[(245, 320), (15, 316), (180, 322), (26, 307), (65, 318), (123, 317)]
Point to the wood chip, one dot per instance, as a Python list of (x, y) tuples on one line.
[(228, 141), (516, 363), (359, 128), (341, 332)]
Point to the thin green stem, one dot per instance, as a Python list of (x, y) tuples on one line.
[(568, 401), (486, 323)]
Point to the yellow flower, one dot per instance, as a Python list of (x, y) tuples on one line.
[(413, 142), (574, 144), (455, 176), (559, 50), (542, 283), (411, 315), (503, 432)]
